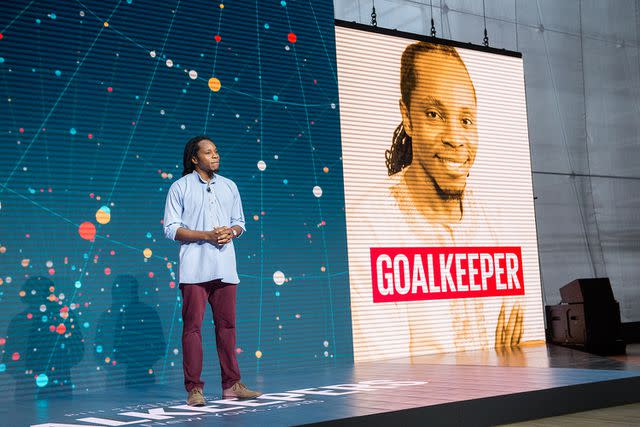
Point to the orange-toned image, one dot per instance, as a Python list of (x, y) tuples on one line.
[(440, 222)]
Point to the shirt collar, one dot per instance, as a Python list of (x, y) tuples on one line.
[(213, 178)]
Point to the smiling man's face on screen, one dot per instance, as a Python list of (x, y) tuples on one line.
[(440, 118)]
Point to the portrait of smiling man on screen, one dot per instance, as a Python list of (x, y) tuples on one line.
[(430, 203)]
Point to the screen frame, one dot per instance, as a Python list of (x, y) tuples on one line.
[(422, 37)]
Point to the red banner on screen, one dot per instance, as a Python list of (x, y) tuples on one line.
[(414, 274)]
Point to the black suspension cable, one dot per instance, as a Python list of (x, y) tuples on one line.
[(374, 21), (485, 40), (433, 25)]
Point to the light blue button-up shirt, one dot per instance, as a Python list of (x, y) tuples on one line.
[(191, 206)]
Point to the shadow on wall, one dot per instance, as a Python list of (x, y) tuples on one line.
[(129, 334), (43, 342)]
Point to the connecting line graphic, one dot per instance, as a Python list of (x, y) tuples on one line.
[(261, 189), (55, 104), (90, 251), (120, 33), (324, 45), (213, 72), (154, 256), (133, 131), (93, 40), (315, 179), (4, 30)]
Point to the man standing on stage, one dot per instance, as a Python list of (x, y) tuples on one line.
[(204, 213)]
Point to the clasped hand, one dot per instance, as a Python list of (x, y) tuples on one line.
[(220, 235)]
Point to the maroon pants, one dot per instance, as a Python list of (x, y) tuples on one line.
[(222, 299)]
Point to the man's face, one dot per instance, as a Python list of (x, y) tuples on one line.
[(208, 158), (441, 121)]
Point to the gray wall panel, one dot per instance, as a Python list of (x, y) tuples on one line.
[(582, 72)]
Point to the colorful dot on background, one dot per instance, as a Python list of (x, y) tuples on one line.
[(107, 271), (221, 5), (278, 277), (292, 37), (218, 38), (109, 89), (323, 268), (283, 3), (325, 169), (15, 356), (73, 131), (87, 230), (103, 215), (61, 329), (3, 367), (42, 380), (258, 354), (3, 341), (317, 191), (1, 36), (78, 284), (214, 84), (58, 73)]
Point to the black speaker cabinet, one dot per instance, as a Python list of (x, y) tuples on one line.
[(588, 318), (587, 291)]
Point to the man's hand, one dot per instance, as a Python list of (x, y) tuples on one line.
[(220, 235), (509, 334)]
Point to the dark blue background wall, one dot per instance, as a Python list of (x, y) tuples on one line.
[(93, 118)]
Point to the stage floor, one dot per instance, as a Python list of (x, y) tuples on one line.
[(471, 388)]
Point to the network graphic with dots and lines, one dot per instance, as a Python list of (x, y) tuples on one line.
[(97, 99)]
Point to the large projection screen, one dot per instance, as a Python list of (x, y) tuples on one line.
[(438, 196)]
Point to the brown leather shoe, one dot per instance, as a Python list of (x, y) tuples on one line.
[(195, 397), (240, 391)]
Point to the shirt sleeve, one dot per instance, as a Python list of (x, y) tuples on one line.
[(237, 214), (173, 212)]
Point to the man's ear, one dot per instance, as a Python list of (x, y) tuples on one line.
[(406, 121), (194, 160)]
